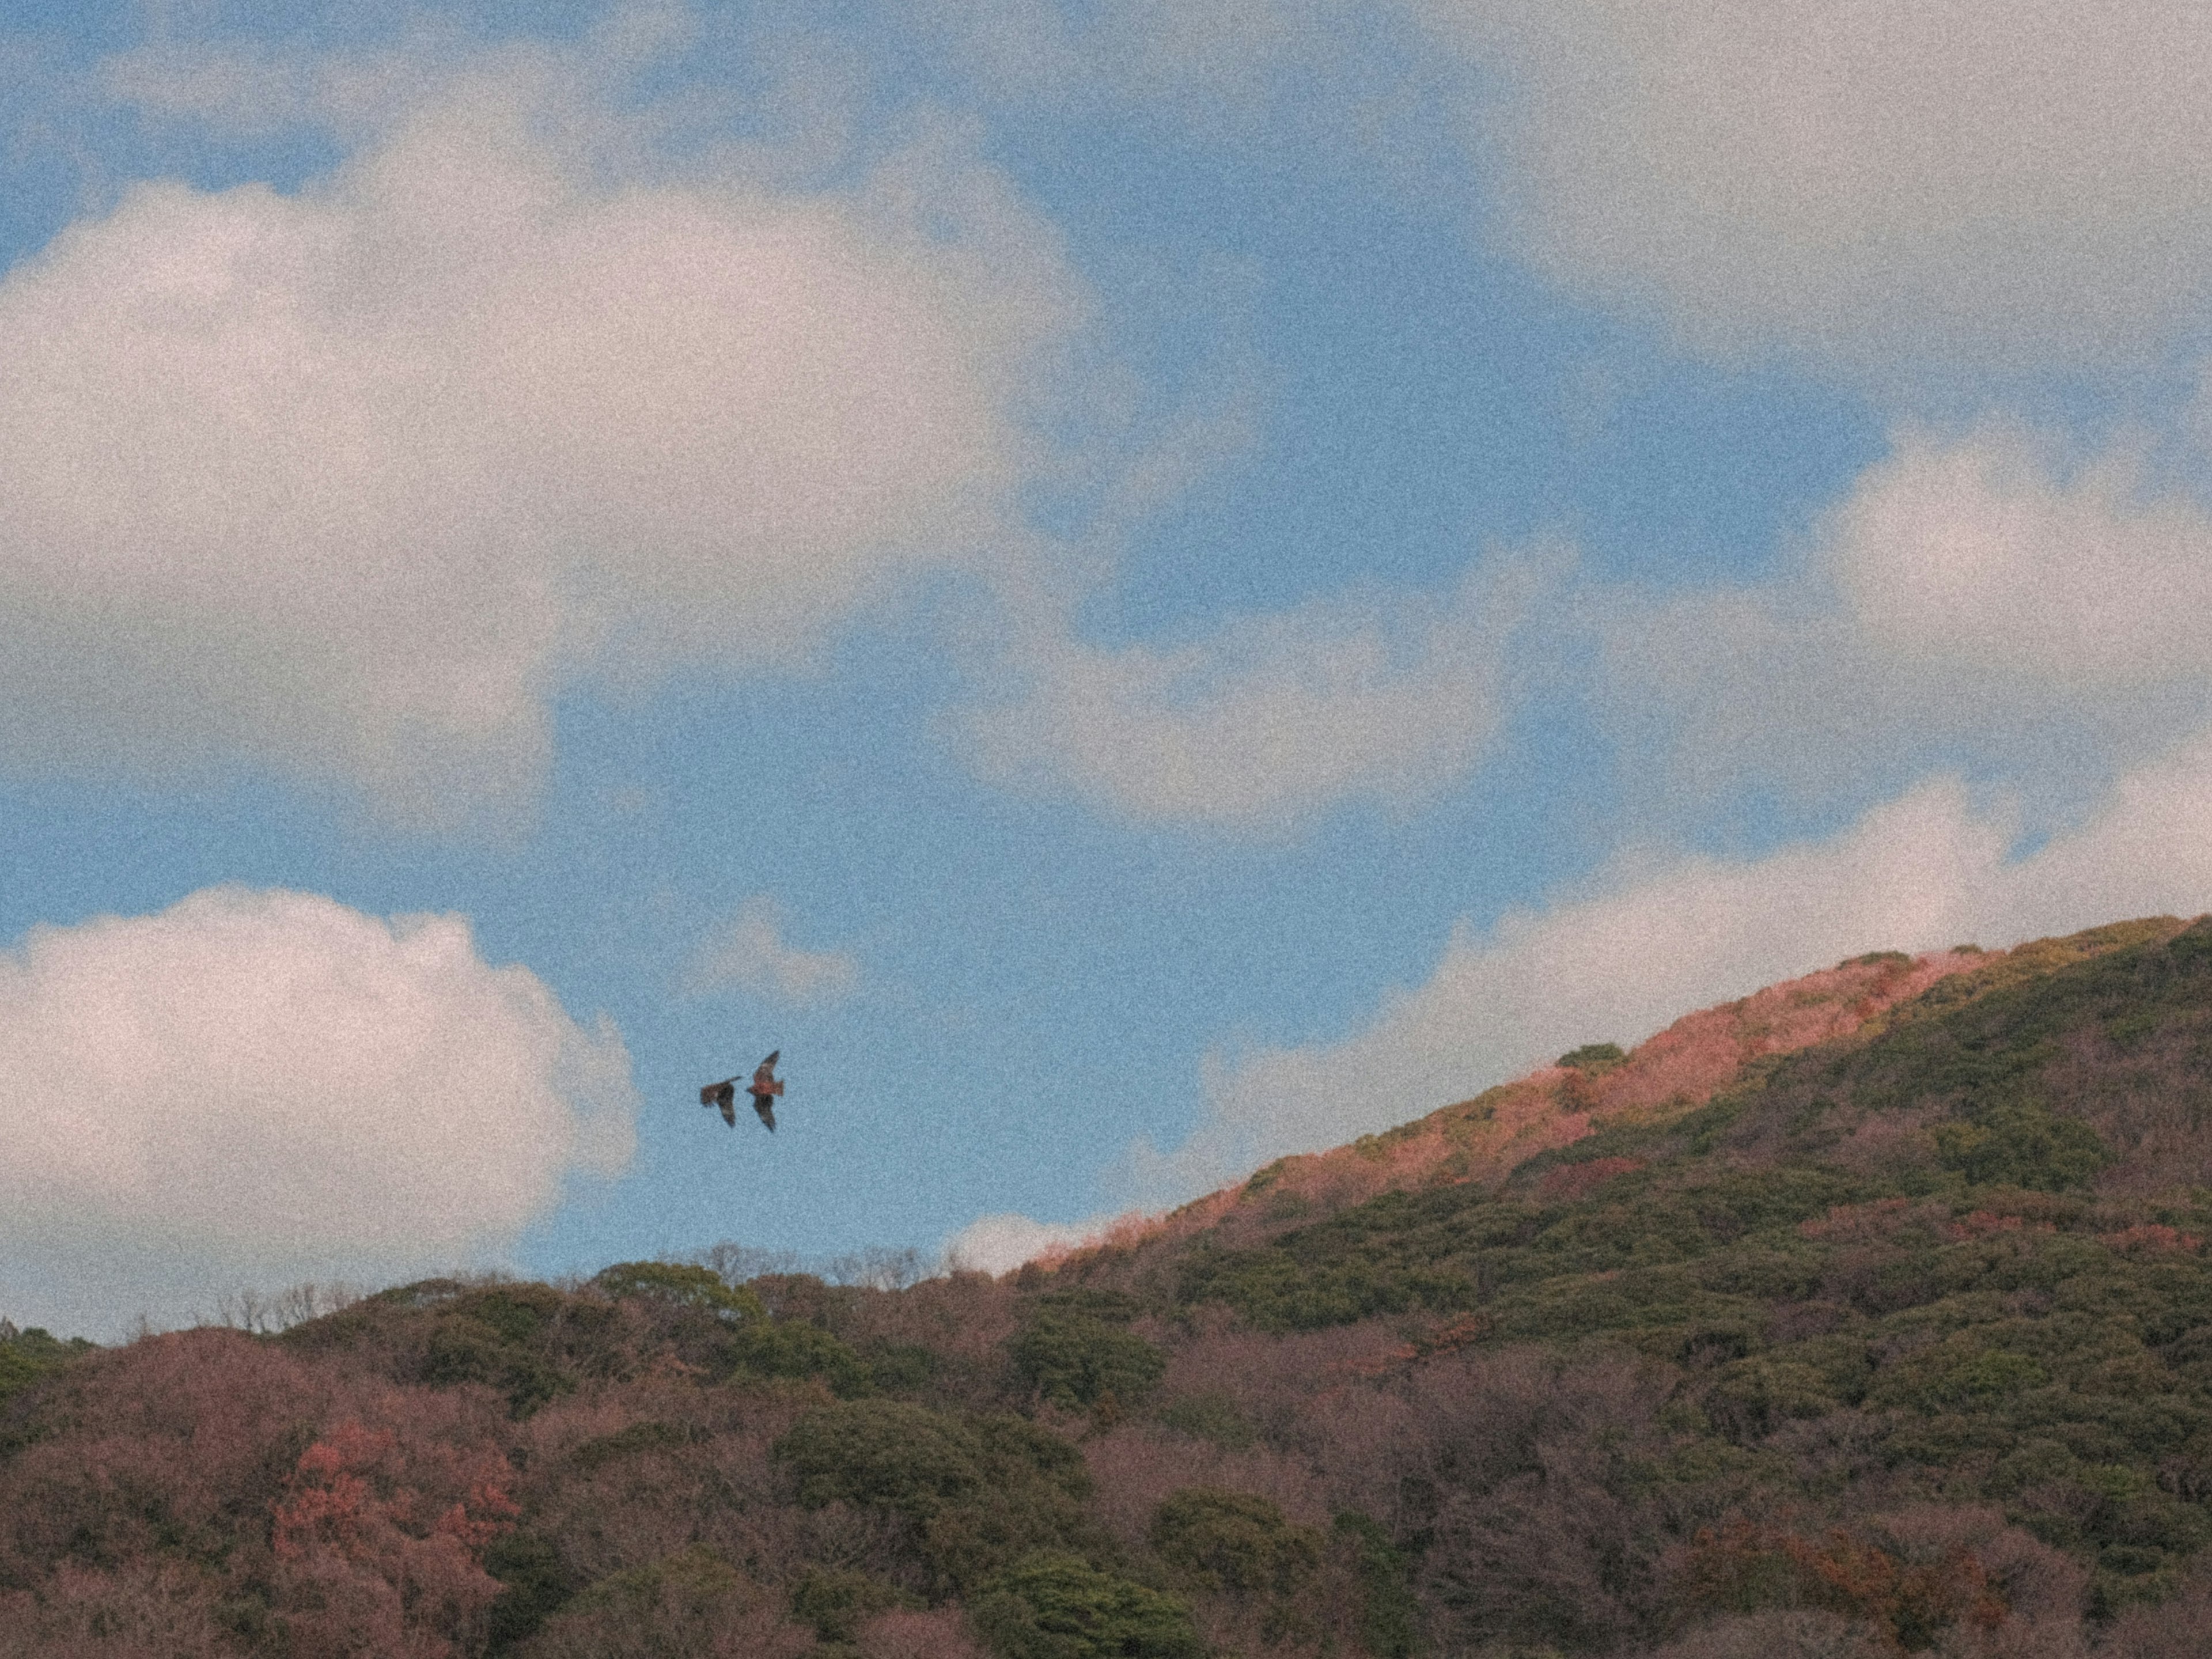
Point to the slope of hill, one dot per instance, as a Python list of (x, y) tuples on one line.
[(1484, 1137), (1867, 1315)]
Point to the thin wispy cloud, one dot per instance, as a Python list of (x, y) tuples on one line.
[(1272, 720), (748, 952)]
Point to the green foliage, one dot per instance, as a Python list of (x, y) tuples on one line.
[(680, 1286), (1593, 1059), (788, 1347), (533, 1586), (1057, 1606), (686, 1594), (2021, 1144), (978, 1493), (837, 1601), (27, 1355), (487, 1339), (883, 1454), (1209, 1416), (902, 1367), (1753, 1397), (1925, 1279), (745, 1342), (637, 1438), (1074, 1358), (1390, 1616), (1233, 1540)]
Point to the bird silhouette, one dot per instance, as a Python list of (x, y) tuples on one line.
[(764, 1088)]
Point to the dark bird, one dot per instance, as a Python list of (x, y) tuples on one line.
[(764, 1088)]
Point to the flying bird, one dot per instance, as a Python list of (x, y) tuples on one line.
[(764, 1088)]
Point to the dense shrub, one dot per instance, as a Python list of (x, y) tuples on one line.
[(837, 1601), (1056, 1606), (1593, 1059), (680, 1286), (978, 1494), (1073, 1358), (885, 1453), (1389, 1617), (1233, 1540), (27, 1356)]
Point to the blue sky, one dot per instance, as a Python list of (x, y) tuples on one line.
[(1137, 587)]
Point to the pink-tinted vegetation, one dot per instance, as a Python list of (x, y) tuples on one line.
[(365, 1509), (940, 1634), (1136, 1467), (141, 1609), (1486, 1137)]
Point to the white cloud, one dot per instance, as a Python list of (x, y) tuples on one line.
[(257, 1088), (1272, 718), (1000, 1243), (1887, 187), (1981, 554), (1653, 941), (748, 950), (1971, 596), (1996, 184), (348, 482)]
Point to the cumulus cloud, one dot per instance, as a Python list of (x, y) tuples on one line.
[(257, 1088), (1271, 718), (1971, 595), (1000, 1243), (1981, 553), (347, 482), (1996, 184), (749, 952), (1651, 941)]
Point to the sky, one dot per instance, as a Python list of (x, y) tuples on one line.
[(1137, 586)]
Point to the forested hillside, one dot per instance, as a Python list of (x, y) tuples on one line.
[(1868, 1314)]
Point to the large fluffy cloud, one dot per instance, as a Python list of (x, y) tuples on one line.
[(1650, 942), (1270, 719), (1997, 184), (348, 482), (257, 1088)]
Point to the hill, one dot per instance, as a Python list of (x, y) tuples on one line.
[(1866, 1315)]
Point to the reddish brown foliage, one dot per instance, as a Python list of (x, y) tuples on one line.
[(2152, 1238), (941, 1634), (1741, 1564)]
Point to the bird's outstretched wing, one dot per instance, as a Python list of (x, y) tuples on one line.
[(766, 1108), (724, 1095)]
